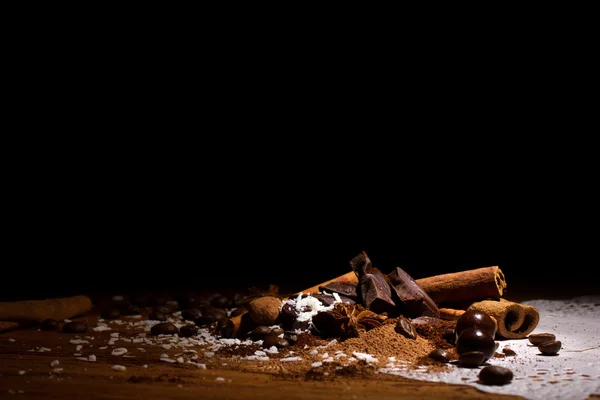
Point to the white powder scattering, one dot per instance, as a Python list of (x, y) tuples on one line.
[(78, 341), (119, 351), (219, 379), (114, 335), (21, 372), (101, 328), (103, 347), (316, 364), (180, 360), (365, 357), (166, 346), (54, 363), (118, 367), (79, 347), (92, 358)]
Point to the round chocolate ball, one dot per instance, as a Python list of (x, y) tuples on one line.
[(475, 339), (475, 318)]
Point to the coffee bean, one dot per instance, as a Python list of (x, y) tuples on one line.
[(495, 375), (129, 309), (539, 338), (276, 331), (475, 318), (471, 359), (157, 316), (190, 314), (259, 332), (221, 301), (74, 327), (550, 348), (405, 328), (163, 309), (158, 300), (164, 328), (49, 324), (188, 330), (474, 339), (439, 355), (111, 313), (272, 340), (210, 315)]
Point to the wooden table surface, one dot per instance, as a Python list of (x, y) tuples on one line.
[(26, 372)]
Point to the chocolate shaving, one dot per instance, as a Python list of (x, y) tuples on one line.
[(373, 287), (412, 299)]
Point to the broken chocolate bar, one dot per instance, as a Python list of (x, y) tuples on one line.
[(341, 288), (373, 287), (413, 300)]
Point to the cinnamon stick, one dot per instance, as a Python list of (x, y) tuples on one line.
[(514, 320), (16, 314), (470, 285)]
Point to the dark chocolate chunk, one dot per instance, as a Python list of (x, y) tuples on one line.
[(164, 328), (325, 299), (495, 375), (412, 298), (373, 288), (74, 327), (539, 338), (405, 328), (288, 315), (342, 288), (471, 359), (550, 348), (49, 324)]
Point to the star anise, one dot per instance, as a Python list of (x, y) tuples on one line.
[(346, 321)]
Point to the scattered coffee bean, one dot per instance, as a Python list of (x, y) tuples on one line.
[(405, 328), (471, 359), (129, 309), (188, 330), (111, 313), (272, 340), (539, 338), (276, 331), (210, 315), (74, 327), (474, 339), (474, 318), (550, 348), (221, 301), (163, 309), (259, 332), (164, 328), (495, 375), (157, 316), (49, 324), (191, 314), (439, 355)]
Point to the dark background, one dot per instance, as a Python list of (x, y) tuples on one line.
[(101, 226)]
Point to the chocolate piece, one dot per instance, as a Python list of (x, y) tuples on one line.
[(471, 359), (288, 315), (495, 375), (539, 338), (341, 288), (550, 348), (475, 318), (474, 339), (413, 300), (373, 288), (405, 328), (74, 327)]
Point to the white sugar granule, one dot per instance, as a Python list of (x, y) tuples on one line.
[(21, 372), (316, 364), (366, 357), (92, 358), (291, 359), (219, 379), (78, 347), (78, 341), (54, 363), (118, 368)]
